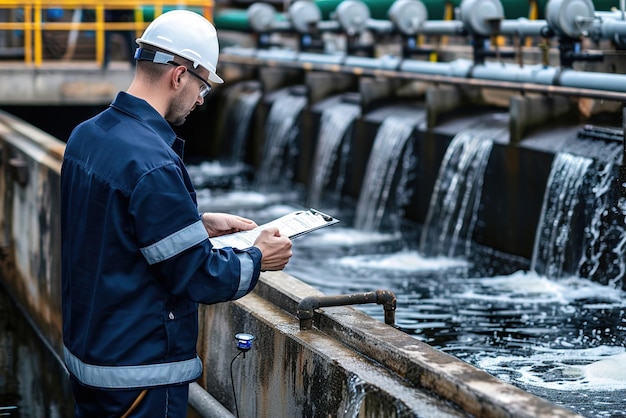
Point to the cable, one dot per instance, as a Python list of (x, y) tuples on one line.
[(244, 343), (232, 380)]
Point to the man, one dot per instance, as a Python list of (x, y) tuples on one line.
[(136, 255)]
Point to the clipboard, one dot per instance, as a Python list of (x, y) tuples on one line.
[(294, 224)]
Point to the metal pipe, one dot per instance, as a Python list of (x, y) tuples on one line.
[(513, 73), (308, 305), (458, 68), (442, 28), (206, 405), (522, 27), (538, 79), (385, 62), (380, 26), (608, 29)]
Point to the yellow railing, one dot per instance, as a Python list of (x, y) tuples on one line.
[(33, 24)]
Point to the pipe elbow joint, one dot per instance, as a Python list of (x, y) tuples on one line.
[(308, 305), (306, 308)]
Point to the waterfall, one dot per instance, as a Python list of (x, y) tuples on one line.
[(580, 196), (280, 147), (596, 248), (560, 205), (240, 111), (453, 209), (356, 389), (382, 168), (335, 124)]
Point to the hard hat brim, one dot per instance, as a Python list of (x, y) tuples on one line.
[(213, 77)]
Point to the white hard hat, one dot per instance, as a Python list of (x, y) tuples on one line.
[(188, 35)]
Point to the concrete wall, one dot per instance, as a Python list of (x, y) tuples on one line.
[(30, 222), (349, 365)]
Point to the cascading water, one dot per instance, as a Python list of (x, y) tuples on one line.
[(272, 181), (387, 154), (602, 259), (238, 117), (581, 230), (230, 169), (356, 391), (559, 207), (456, 196), (280, 147), (335, 124)]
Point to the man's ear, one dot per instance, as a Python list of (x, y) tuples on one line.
[(178, 72)]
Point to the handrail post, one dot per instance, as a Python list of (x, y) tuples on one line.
[(38, 37), (100, 36), (28, 34)]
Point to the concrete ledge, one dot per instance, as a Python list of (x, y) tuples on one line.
[(62, 83)]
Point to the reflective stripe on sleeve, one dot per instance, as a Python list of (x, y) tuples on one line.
[(245, 275), (127, 377), (175, 243)]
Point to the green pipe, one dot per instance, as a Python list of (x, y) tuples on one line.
[(513, 9), (231, 19), (237, 19), (378, 8), (436, 8), (148, 11)]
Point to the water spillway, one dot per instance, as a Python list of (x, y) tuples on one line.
[(482, 195)]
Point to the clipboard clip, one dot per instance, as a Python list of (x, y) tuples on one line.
[(327, 218)]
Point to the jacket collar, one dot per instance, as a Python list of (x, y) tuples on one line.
[(141, 110)]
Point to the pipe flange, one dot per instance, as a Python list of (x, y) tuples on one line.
[(261, 17), (572, 18), (408, 15), (304, 16), (352, 16), (482, 17)]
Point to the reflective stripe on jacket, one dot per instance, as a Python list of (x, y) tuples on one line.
[(136, 258)]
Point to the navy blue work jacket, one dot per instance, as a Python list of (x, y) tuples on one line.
[(136, 258)]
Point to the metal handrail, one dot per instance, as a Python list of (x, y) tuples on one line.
[(34, 25)]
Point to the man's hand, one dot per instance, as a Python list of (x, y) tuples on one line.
[(276, 249), (217, 224)]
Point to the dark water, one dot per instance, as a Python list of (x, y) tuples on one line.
[(562, 340), (33, 383)]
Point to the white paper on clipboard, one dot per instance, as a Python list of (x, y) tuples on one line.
[(293, 225)]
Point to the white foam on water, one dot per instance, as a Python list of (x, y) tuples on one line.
[(234, 200), (348, 237), (593, 369), (213, 169), (404, 261), (529, 287)]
